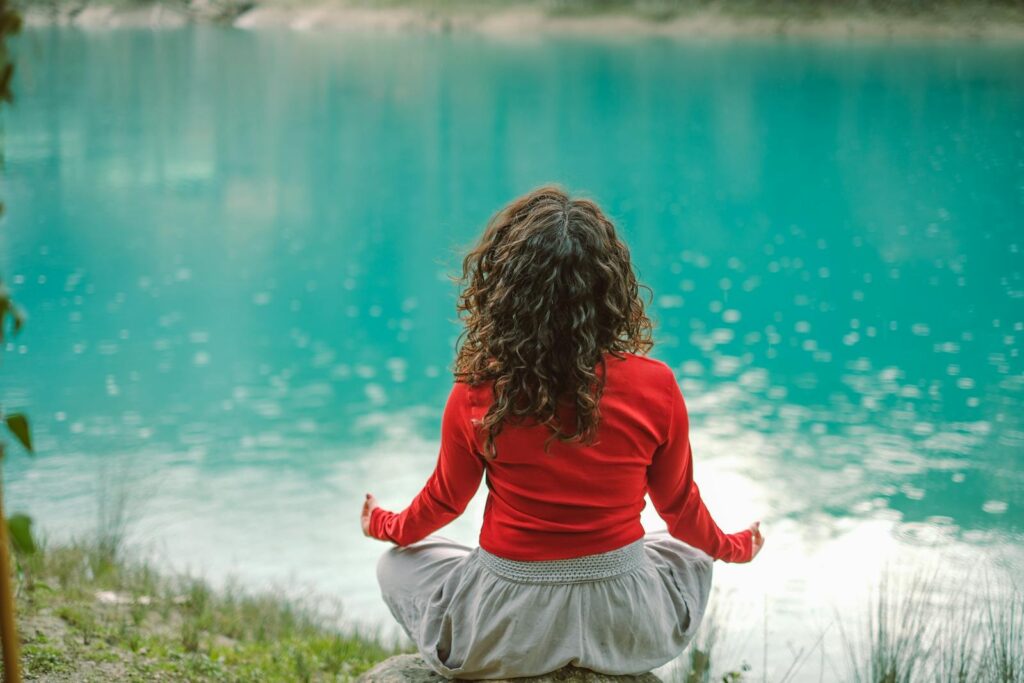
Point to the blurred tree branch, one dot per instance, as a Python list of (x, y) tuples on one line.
[(17, 424)]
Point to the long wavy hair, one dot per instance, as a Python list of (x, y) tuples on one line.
[(546, 293)]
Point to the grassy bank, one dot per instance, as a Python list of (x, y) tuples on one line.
[(85, 615)]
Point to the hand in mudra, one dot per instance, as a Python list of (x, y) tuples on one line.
[(369, 503), (756, 538)]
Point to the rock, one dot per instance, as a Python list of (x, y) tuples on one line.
[(219, 11), (412, 669)]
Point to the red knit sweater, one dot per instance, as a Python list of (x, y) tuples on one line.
[(578, 499)]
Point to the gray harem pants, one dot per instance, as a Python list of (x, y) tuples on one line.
[(475, 615)]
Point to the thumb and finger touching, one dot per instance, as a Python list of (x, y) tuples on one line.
[(369, 503), (757, 539)]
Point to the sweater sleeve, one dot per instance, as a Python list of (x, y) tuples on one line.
[(676, 496), (453, 483)]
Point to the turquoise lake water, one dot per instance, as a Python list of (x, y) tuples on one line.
[(233, 248)]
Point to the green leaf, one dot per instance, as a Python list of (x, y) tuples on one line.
[(18, 424), (20, 528), (6, 74), (8, 309), (5, 309), (19, 318)]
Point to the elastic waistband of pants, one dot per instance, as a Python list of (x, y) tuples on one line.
[(573, 570)]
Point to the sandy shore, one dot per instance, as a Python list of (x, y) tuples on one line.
[(1000, 23)]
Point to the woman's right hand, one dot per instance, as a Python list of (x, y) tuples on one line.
[(369, 503), (757, 540)]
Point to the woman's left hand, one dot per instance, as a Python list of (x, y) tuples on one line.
[(756, 538), (369, 503)]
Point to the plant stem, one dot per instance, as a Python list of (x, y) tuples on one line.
[(8, 630)]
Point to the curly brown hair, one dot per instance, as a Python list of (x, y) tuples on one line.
[(547, 292)]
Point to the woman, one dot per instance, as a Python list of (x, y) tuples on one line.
[(556, 402)]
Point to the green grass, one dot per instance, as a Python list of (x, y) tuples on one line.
[(921, 629), (911, 636), (172, 627), (1001, 657)]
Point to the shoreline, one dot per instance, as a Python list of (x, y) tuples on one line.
[(86, 611), (529, 19), (92, 611)]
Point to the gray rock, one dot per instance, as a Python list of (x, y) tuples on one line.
[(412, 669)]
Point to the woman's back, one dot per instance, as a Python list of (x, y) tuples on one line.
[(576, 499)]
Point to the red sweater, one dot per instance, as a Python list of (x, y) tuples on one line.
[(578, 499)]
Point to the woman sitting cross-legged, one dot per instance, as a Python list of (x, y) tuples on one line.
[(556, 402)]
